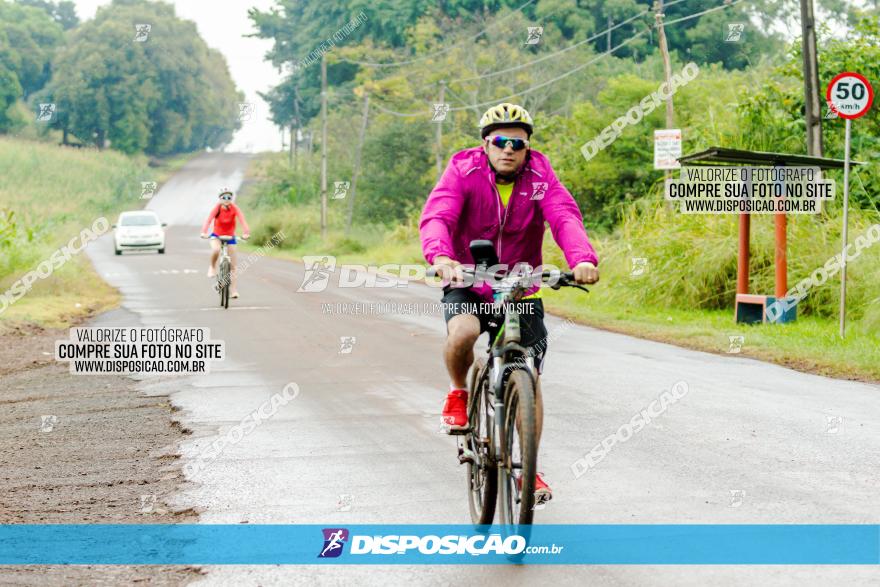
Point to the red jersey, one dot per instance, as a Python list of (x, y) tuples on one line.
[(224, 218)]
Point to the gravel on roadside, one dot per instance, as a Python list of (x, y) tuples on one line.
[(82, 449)]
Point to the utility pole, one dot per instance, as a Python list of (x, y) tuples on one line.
[(324, 146), (357, 162), (291, 132), (608, 36), (667, 74), (439, 154), (293, 141), (664, 52), (812, 105)]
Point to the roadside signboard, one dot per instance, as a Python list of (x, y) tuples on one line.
[(667, 148)]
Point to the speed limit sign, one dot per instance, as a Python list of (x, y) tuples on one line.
[(849, 95)]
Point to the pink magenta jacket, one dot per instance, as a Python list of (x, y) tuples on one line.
[(465, 205)]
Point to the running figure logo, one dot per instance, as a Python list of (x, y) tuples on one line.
[(246, 111), (734, 32), (340, 189), (639, 266), (736, 343), (47, 423), (832, 111), (334, 540), (46, 112), (141, 33), (535, 33), (346, 344), (440, 112), (318, 271), (539, 190), (148, 189)]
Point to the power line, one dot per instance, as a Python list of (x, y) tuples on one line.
[(725, 5), (456, 96), (551, 55), (399, 114), (574, 70), (557, 78), (564, 50), (442, 51), (605, 54)]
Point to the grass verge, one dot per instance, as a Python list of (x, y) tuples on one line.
[(686, 298), (49, 194)]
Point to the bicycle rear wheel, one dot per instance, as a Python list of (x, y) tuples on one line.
[(482, 474), (223, 279), (519, 451)]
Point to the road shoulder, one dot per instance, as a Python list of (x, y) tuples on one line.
[(83, 449)]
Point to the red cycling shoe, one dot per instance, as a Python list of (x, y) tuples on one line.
[(454, 416), (542, 490)]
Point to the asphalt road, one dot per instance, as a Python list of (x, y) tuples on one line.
[(750, 442)]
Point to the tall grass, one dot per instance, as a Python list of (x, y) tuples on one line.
[(48, 194), (692, 260), (288, 200)]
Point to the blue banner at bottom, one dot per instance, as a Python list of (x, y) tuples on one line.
[(207, 544)]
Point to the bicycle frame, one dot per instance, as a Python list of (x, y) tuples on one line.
[(504, 347), (488, 447), (224, 271), (224, 252)]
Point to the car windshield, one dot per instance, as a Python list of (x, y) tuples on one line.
[(139, 220)]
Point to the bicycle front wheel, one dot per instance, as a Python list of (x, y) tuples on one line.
[(482, 475), (223, 279), (519, 451)]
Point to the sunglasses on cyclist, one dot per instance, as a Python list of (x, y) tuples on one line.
[(501, 142), (226, 197)]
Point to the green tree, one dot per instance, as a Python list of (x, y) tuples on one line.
[(64, 12), (28, 39), (166, 94), (396, 171), (10, 92)]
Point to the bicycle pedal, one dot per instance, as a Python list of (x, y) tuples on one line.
[(454, 432)]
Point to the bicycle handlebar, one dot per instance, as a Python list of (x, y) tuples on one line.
[(222, 236), (558, 278)]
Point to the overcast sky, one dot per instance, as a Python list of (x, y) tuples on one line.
[(223, 24)]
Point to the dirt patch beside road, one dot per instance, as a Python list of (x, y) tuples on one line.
[(82, 449)]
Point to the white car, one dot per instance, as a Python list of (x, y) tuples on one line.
[(138, 231)]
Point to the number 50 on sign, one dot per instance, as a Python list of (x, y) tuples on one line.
[(849, 95)]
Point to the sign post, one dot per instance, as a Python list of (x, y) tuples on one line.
[(849, 95)]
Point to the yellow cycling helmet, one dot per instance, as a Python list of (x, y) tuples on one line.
[(505, 114)]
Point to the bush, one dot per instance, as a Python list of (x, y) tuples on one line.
[(692, 260), (345, 246)]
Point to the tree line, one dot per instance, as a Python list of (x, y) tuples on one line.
[(135, 78), (575, 65)]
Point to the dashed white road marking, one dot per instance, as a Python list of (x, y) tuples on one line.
[(157, 272), (213, 309)]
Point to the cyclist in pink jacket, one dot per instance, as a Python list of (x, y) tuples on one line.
[(502, 191)]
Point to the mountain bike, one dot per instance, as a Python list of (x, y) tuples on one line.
[(500, 444)]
